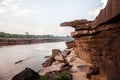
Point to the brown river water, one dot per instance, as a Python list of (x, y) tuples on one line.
[(32, 56)]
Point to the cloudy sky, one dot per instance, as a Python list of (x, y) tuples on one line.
[(44, 16)]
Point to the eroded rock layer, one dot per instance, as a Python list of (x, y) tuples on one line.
[(98, 41)]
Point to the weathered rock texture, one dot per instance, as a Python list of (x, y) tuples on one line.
[(70, 44), (98, 41)]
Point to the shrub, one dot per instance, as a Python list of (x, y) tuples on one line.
[(42, 78), (64, 76)]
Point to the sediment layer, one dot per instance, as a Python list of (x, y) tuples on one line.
[(17, 41)]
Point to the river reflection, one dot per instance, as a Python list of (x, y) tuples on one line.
[(33, 56)]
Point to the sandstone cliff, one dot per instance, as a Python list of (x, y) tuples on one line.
[(98, 41)]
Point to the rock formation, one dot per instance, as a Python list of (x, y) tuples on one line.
[(57, 54), (98, 41), (75, 67), (27, 74)]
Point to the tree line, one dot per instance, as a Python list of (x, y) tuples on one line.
[(27, 35)]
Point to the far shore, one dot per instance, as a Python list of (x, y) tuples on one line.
[(21, 41)]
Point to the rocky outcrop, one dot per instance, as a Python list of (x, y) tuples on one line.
[(98, 41), (75, 23), (27, 74), (77, 68), (56, 56)]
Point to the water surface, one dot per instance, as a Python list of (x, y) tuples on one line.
[(33, 56)]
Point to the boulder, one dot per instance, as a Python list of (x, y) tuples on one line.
[(57, 54), (48, 61), (27, 74)]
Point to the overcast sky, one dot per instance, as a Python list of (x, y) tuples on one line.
[(45, 16)]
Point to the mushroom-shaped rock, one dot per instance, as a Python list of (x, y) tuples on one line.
[(75, 23)]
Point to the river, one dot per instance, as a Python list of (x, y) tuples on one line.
[(33, 56)]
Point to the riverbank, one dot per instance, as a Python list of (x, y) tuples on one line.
[(65, 61), (19, 41)]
